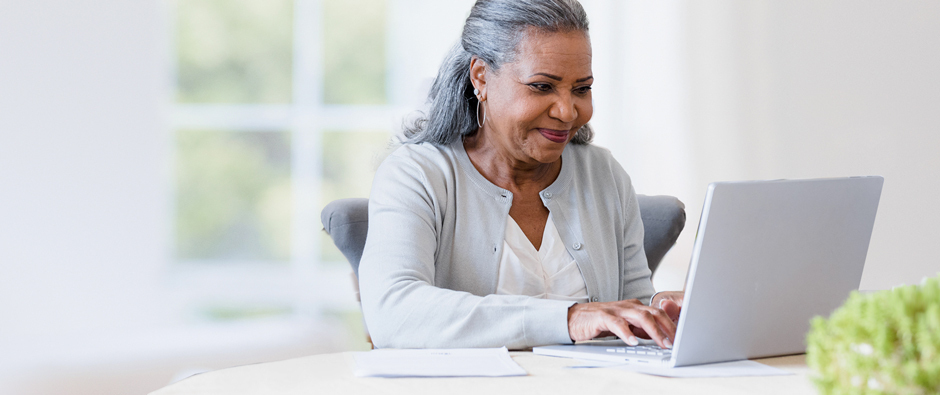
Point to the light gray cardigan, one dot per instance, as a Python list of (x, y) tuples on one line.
[(436, 227)]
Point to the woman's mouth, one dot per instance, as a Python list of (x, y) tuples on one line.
[(555, 136)]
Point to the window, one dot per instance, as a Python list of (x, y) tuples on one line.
[(280, 107)]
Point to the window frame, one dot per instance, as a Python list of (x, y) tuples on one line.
[(306, 284)]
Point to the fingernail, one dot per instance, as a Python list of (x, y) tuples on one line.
[(632, 341), (667, 343)]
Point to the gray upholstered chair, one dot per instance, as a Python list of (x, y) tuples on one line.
[(347, 220)]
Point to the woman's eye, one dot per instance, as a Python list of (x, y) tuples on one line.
[(541, 87), (583, 90)]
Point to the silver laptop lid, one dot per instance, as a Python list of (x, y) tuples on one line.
[(768, 256)]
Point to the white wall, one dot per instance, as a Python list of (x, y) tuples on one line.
[(692, 92), (83, 169), (801, 89), (87, 300)]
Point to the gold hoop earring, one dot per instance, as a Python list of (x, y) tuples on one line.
[(480, 124)]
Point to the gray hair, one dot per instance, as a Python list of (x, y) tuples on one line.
[(492, 32)]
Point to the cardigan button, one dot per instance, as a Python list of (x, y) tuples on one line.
[(576, 246), (594, 299)]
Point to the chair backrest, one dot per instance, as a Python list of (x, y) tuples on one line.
[(347, 222), (663, 220)]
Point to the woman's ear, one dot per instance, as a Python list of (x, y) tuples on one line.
[(478, 76)]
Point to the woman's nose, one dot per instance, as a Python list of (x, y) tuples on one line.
[(563, 109)]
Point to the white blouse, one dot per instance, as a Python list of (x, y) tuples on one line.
[(547, 273)]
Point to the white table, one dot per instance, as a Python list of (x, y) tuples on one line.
[(332, 374)]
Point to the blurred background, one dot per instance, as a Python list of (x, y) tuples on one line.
[(163, 163)]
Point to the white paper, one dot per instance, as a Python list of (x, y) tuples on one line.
[(722, 369), (479, 362)]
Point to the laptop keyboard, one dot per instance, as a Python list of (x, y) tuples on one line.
[(641, 350)]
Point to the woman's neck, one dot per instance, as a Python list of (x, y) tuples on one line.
[(506, 170)]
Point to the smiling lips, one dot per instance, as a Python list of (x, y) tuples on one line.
[(556, 136)]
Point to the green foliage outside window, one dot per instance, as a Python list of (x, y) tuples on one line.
[(233, 195), (234, 51), (354, 51), (233, 187), (882, 343)]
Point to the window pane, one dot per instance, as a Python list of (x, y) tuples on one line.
[(349, 162), (234, 51), (233, 195), (354, 51)]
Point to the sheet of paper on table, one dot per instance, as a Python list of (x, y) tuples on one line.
[(721, 369), (479, 362)]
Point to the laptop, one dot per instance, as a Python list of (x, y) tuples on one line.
[(768, 257)]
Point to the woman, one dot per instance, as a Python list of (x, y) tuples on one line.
[(497, 223)]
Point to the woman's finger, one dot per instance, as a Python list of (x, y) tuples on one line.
[(666, 323), (621, 328), (655, 323), (639, 332), (663, 320), (671, 308)]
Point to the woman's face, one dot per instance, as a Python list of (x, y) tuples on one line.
[(537, 103)]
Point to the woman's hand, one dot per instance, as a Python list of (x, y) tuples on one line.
[(626, 318), (670, 302)]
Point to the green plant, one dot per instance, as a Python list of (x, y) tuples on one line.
[(882, 343)]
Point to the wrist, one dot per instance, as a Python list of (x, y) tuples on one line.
[(571, 311)]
